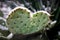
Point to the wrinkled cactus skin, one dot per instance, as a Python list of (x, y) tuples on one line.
[(20, 21)]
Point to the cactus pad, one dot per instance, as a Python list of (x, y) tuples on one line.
[(22, 21)]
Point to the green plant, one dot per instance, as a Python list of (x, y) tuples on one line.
[(1, 14), (22, 21)]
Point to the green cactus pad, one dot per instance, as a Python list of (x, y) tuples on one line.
[(21, 21)]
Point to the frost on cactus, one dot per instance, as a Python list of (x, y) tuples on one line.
[(22, 21)]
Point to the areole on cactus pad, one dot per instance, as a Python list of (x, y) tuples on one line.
[(23, 21)]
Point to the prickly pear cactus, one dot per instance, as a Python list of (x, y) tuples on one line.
[(23, 21)]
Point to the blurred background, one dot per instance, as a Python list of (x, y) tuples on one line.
[(51, 6)]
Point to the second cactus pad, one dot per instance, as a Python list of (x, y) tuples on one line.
[(22, 21)]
